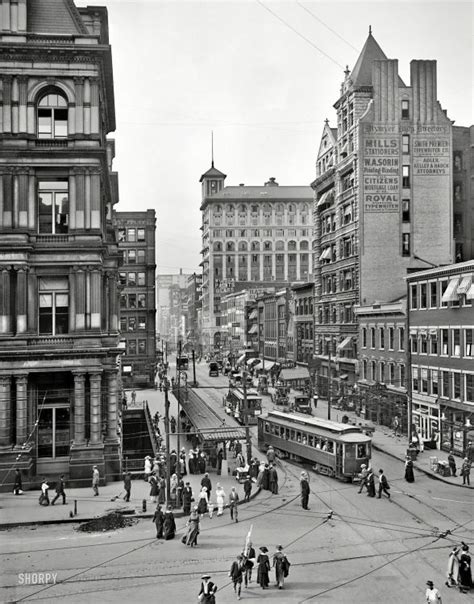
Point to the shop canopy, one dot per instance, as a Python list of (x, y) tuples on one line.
[(253, 314), (267, 365), (346, 344), (253, 329), (465, 284), (295, 373), (451, 294)]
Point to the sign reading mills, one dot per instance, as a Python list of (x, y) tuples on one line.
[(381, 173)]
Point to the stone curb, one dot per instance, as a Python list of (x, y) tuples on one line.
[(431, 475), (76, 519)]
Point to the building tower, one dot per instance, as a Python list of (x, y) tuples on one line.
[(58, 253)]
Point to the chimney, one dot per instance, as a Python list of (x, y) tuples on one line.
[(241, 184), (271, 182)]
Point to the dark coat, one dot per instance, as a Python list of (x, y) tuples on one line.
[(409, 475), (263, 570), (153, 486), (169, 526), (236, 571), (158, 519), (60, 486), (206, 482), (248, 486), (304, 487), (187, 496)]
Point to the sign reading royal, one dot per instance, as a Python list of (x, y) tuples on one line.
[(381, 173)]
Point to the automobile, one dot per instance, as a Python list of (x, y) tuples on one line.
[(213, 369), (302, 404)]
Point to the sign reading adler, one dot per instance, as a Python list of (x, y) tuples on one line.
[(430, 156), (381, 174)]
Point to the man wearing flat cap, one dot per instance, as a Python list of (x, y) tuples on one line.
[(208, 590), (432, 594)]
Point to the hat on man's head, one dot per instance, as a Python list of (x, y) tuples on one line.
[(263, 549), (430, 583), (206, 577)]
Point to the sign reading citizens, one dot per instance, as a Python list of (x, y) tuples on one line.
[(381, 174)]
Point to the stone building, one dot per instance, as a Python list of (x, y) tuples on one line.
[(463, 192), (383, 196), (303, 299), (441, 354), (136, 241), (58, 253), (250, 234)]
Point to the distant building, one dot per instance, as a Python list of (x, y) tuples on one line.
[(193, 321), (136, 237), (59, 259), (381, 391), (303, 299), (463, 192), (383, 197), (441, 332), (171, 306), (250, 234)]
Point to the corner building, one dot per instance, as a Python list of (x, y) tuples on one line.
[(383, 197), (58, 254)]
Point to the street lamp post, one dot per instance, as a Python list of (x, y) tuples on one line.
[(167, 437)]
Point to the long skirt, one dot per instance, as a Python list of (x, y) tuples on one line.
[(262, 575), (409, 475), (220, 506), (202, 506)]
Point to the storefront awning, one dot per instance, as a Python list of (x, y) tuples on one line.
[(450, 295), (253, 314), (326, 253), (267, 365), (470, 293), (465, 284), (324, 198), (253, 329), (346, 344), (295, 373)]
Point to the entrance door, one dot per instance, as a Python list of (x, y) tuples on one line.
[(54, 433)]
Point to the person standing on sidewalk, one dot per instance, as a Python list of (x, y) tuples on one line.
[(158, 519), (127, 485), (466, 471), (60, 490), (432, 594), (233, 504), (383, 485), (452, 463), (409, 474), (273, 479), (95, 480)]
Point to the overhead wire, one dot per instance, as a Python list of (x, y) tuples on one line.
[(326, 25)]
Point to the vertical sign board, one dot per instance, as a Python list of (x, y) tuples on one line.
[(431, 151), (381, 149)]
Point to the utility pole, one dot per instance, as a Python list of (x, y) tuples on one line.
[(167, 436), (329, 378), (244, 376), (194, 370), (249, 445), (178, 375)]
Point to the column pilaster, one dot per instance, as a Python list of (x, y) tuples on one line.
[(21, 300), (79, 408), (21, 401), (5, 411), (5, 316), (95, 380), (112, 397)]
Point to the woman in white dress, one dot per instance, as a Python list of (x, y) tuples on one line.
[(220, 499)]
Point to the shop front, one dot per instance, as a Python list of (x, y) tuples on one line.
[(426, 421), (456, 428)]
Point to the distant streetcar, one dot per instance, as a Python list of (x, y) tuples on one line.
[(335, 449), (244, 406)]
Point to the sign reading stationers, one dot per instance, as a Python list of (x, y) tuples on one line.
[(381, 150)]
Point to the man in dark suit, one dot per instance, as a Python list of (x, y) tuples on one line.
[(60, 490)]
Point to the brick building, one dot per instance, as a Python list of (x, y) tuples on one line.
[(463, 192), (58, 253), (441, 333), (136, 241)]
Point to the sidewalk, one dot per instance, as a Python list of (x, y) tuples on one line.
[(25, 510), (396, 446)]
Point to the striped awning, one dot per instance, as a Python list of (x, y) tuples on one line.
[(253, 329), (470, 293), (346, 344), (253, 314), (450, 294), (324, 198), (326, 253), (465, 284)]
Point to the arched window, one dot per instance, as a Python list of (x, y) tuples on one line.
[(280, 209), (230, 247), (291, 245), (304, 245), (280, 246), (243, 247), (230, 209), (304, 208), (217, 246), (267, 245), (243, 208), (291, 208), (255, 246), (52, 116)]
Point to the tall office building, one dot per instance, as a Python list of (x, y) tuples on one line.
[(58, 253), (383, 197), (250, 234), (136, 241)]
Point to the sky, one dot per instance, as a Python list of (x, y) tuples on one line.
[(262, 76)]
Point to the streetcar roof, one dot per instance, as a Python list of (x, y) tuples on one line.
[(239, 393), (300, 419)]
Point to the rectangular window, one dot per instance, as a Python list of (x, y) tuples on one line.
[(364, 337), (53, 206), (140, 234), (434, 382), (123, 324), (131, 235), (121, 235), (424, 381), (372, 337), (444, 342), (423, 344), (402, 376), (405, 210), (123, 278), (391, 338), (456, 350), (469, 342), (132, 279), (414, 343), (382, 372), (423, 295), (381, 338), (141, 322), (123, 300), (141, 300), (141, 346), (405, 144), (132, 256), (443, 284), (434, 344), (141, 279), (413, 297), (132, 300), (53, 306), (406, 177), (140, 256), (457, 386), (401, 338), (132, 323), (405, 110), (405, 244), (469, 387), (414, 379), (433, 294), (131, 347), (445, 389)]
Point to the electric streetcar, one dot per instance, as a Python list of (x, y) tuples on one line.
[(244, 406)]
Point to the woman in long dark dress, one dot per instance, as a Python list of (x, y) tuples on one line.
[(370, 484), (169, 525), (203, 501), (193, 528), (263, 568), (465, 574), (409, 475)]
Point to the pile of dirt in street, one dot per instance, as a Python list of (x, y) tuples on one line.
[(109, 522)]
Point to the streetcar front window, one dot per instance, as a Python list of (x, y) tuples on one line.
[(267, 427), (282, 432), (361, 450)]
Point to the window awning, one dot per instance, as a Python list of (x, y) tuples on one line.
[(268, 365), (433, 332), (324, 198), (295, 373), (465, 284), (253, 329), (413, 331), (346, 344), (470, 293), (253, 314), (450, 295), (326, 253)]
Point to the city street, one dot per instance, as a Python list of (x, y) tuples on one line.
[(370, 550)]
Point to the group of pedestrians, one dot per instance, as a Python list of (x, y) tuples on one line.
[(206, 506), (459, 568), (44, 495), (165, 523), (367, 479), (242, 567)]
